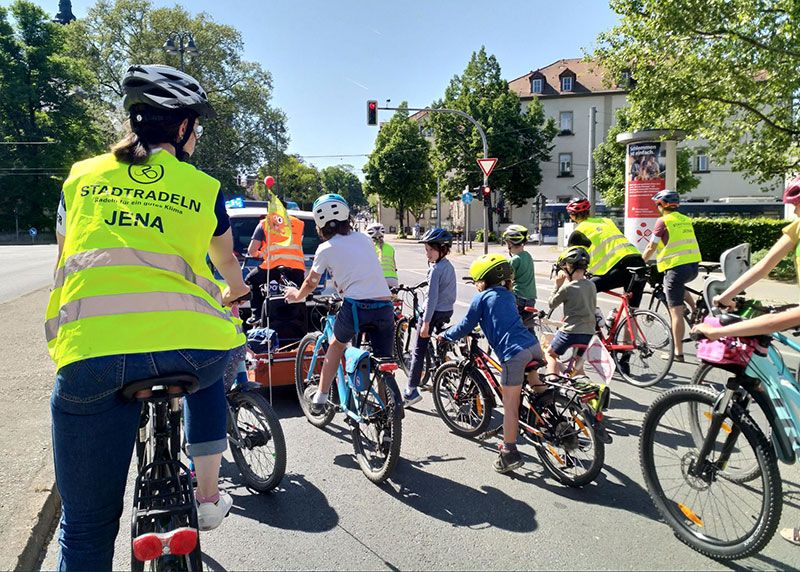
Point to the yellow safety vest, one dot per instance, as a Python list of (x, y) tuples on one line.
[(386, 256), (132, 277), (289, 256), (682, 247), (609, 245)]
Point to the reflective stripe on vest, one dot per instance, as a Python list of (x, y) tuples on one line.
[(132, 277), (609, 245), (386, 256), (288, 255), (682, 247)]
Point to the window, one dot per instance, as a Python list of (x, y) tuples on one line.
[(625, 79), (565, 122), (701, 163), (433, 214), (537, 85), (565, 164), (563, 198), (566, 83)]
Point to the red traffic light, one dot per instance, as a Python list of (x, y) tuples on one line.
[(372, 112), (487, 192), (372, 104)]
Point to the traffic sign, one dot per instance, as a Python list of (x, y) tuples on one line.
[(487, 165), (466, 198), (33, 232)]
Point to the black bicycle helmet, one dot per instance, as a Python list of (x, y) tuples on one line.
[(166, 88), (577, 256), (437, 236)]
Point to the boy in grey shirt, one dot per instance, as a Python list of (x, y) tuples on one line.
[(579, 297)]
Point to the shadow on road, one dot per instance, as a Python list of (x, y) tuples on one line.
[(453, 502), (295, 505)]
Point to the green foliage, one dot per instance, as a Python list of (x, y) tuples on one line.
[(785, 270), (716, 235), (248, 130), (610, 164), (479, 236), (399, 168), (724, 70), (41, 99), (521, 141), (343, 181), (295, 181)]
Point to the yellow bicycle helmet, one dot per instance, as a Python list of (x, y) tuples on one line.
[(491, 268), (516, 234)]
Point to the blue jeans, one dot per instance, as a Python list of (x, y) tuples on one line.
[(438, 320), (94, 431)]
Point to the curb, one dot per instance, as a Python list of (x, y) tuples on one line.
[(24, 542)]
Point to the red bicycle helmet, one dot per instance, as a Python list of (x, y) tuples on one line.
[(791, 196), (576, 206)]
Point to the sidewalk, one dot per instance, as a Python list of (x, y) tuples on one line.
[(768, 291)]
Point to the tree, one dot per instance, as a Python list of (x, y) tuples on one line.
[(726, 72), (248, 131), (609, 156), (41, 84), (296, 181), (520, 140), (343, 181), (399, 168)]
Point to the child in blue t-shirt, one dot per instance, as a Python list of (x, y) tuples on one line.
[(495, 309), (438, 307)]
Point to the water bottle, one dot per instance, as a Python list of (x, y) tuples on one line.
[(598, 317)]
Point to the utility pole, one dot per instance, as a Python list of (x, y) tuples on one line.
[(590, 170), (438, 203)]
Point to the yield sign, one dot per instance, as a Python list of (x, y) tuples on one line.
[(487, 165)]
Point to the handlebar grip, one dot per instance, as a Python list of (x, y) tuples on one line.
[(697, 336)]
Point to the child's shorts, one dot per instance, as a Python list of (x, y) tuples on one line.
[(562, 341), (513, 372)]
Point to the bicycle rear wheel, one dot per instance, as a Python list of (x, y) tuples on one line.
[(570, 449), (305, 378), (466, 409), (257, 442), (711, 513), (377, 439), (651, 359)]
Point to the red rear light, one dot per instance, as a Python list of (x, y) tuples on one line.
[(388, 367), (598, 416)]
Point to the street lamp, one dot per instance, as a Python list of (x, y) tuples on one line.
[(185, 44)]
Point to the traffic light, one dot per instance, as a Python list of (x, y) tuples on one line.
[(372, 112), (487, 196)]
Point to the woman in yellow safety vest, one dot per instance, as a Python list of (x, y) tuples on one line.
[(768, 323), (385, 252), (677, 256), (134, 299)]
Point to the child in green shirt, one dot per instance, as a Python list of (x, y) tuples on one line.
[(515, 237)]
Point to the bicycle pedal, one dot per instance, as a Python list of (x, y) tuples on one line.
[(151, 545)]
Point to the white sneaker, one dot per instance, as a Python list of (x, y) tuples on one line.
[(210, 514)]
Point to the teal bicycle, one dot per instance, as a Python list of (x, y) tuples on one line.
[(365, 391), (709, 467)]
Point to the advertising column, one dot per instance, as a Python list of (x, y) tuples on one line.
[(650, 167)]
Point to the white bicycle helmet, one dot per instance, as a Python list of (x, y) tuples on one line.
[(376, 230), (330, 208)]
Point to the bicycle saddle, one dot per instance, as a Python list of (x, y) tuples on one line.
[(165, 386), (535, 364)]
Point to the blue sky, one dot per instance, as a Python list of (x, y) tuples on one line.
[(328, 57)]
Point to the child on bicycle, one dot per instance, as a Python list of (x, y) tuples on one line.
[(438, 307), (515, 237), (356, 273), (495, 309), (579, 296)]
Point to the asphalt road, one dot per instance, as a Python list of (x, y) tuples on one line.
[(445, 507), (24, 269)]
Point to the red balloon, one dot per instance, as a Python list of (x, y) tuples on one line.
[(269, 181)]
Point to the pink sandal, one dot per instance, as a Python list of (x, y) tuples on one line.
[(791, 535)]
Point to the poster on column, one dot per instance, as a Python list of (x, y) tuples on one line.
[(645, 175)]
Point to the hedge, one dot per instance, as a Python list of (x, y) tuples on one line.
[(716, 235), (785, 270)]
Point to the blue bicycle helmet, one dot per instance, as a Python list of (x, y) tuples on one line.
[(437, 236), (330, 207), (667, 198)]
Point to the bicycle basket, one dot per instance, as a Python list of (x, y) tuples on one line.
[(728, 352), (356, 364)]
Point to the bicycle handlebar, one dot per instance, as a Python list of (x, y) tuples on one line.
[(403, 288)]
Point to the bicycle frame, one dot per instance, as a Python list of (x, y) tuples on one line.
[(623, 309), (344, 385)]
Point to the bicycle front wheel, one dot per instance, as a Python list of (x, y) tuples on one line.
[(378, 437), (307, 367), (465, 408), (257, 442), (711, 513), (651, 359)]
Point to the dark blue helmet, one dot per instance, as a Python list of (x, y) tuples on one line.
[(437, 236)]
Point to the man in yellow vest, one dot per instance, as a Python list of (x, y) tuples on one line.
[(611, 253), (677, 256), (385, 253), (279, 260)]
